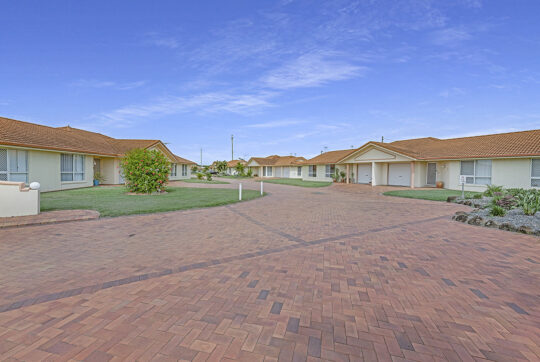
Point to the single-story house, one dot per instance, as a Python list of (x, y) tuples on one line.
[(322, 167), (231, 170), (62, 158), (277, 166), (507, 159)]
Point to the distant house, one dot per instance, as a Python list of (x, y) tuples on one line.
[(324, 166), (231, 170), (66, 158), (506, 159), (277, 166)]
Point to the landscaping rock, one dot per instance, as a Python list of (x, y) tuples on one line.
[(507, 226), (526, 230), (492, 224), (461, 218), (476, 220), (451, 199)]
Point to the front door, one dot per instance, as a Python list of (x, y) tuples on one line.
[(431, 173)]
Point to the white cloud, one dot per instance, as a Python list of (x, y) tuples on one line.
[(201, 103), (454, 91), (311, 70), (93, 83), (450, 36), (160, 40), (274, 124)]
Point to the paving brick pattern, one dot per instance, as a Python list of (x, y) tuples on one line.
[(48, 217), (340, 274)]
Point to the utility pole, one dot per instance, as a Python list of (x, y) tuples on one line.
[(382, 139), (232, 147), (201, 156)]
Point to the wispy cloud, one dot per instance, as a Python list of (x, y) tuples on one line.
[(161, 40), (312, 70), (450, 36), (201, 103), (454, 91), (275, 124), (93, 83)]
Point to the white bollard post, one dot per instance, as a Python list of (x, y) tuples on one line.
[(262, 188), (240, 192)]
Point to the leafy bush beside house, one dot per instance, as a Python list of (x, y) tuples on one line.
[(145, 171)]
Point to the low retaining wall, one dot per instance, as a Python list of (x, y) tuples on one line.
[(18, 200)]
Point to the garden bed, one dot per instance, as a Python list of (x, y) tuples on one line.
[(512, 210)]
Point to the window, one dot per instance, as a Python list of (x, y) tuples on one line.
[(535, 173), (13, 165), (267, 171), (173, 169), (312, 171), (184, 170), (299, 171), (71, 167), (330, 170), (477, 172)]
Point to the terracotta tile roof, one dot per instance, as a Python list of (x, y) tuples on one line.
[(184, 160), (233, 163), (512, 144), (329, 157), (25, 134), (276, 160)]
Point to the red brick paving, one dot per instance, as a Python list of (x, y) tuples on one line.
[(48, 217), (339, 273)]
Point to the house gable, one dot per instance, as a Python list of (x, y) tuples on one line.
[(375, 153)]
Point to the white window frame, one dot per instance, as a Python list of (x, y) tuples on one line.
[(299, 171), (532, 176), (173, 170), (328, 170), (312, 170), (184, 170), (265, 171), (474, 176), (73, 171), (8, 172)]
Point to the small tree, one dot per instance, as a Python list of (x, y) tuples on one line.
[(194, 169), (240, 168), (145, 171), (221, 166), (249, 172)]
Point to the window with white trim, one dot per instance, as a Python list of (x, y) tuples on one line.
[(184, 170), (173, 169), (299, 171), (312, 170), (330, 170), (267, 171), (476, 172), (535, 172), (14, 165), (71, 167)]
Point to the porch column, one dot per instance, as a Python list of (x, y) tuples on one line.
[(347, 173), (412, 174), (373, 178)]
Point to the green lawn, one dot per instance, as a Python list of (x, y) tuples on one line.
[(297, 182), (197, 181), (113, 201), (434, 194)]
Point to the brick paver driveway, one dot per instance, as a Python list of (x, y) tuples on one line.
[(337, 273)]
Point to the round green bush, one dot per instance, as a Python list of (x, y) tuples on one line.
[(145, 171)]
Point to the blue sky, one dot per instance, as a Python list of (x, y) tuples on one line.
[(282, 76)]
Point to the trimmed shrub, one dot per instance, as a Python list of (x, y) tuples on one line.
[(145, 171), (492, 189), (497, 211)]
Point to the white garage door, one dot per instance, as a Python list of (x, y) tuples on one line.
[(364, 173), (399, 174)]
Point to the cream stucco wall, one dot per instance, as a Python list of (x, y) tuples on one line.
[(179, 173), (18, 200), (107, 167)]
